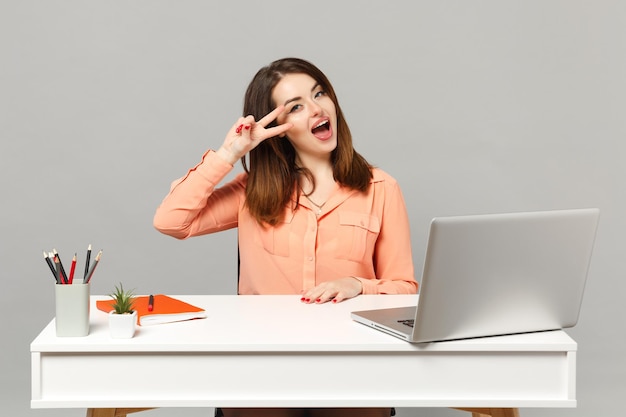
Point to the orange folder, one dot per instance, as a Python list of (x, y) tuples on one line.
[(165, 310)]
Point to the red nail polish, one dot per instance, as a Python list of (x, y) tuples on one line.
[(238, 130), (318, 300), (247, 127), (307, 299), (302, 299), (334, 301)]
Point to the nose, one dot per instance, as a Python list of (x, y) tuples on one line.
[(315, 108)]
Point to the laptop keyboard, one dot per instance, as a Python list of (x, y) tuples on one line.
[(407, 322)]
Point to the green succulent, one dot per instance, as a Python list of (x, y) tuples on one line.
[(124, 300)]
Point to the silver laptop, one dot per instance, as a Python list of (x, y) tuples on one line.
[(496, 274)]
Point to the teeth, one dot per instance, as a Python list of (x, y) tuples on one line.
[(321, 124)]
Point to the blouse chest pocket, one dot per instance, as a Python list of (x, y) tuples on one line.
[(275, 239), (357, 235)]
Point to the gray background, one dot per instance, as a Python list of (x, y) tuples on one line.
[(474, 106)]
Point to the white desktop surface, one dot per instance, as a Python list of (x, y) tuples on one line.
[(276, 351)]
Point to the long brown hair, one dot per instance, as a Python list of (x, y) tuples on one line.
[(273, 175)]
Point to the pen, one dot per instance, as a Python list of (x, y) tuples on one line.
[(72, 268), (87, 260), (50, 265), (151, 302), (93, 267)]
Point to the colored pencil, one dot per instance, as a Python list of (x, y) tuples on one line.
[(93, 267), (57, 263), (72, 268), (50, 265), (63, 274), (87, 260)]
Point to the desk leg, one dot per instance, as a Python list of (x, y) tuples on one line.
[(492, 412), (113, 412)]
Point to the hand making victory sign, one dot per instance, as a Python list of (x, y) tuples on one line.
[(247, 133)]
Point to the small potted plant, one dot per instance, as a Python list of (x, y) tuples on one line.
[(122, 319)]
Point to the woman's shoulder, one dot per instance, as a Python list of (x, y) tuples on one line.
[(242, 177), (378, 175)]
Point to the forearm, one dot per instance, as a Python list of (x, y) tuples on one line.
[(387, 286), (183, 212)]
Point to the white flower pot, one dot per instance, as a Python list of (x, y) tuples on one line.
[(122, 326)]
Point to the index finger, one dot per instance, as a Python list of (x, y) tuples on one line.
[(277, 130), (271, 116)]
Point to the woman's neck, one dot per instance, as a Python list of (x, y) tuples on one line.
[(324, 182), (314, 163)]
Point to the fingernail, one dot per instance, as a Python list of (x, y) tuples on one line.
[(302, 299), (334, 300), (247, 127), (318, 300), (238, 130), (307, 299)]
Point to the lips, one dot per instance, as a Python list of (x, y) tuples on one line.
[(322, 129)]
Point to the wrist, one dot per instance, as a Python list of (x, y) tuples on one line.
[(227, 155), (359, 283)]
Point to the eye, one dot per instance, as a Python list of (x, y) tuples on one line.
[(319, 93), (295, 108)]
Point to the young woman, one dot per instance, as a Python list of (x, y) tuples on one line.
[(314, 217)]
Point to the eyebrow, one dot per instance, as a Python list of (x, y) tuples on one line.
[(299, 98)]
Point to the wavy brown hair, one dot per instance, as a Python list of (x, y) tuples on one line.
[(273, 175)]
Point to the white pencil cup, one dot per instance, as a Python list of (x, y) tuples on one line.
[(72, 309)]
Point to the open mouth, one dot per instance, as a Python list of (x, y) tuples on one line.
[(322, 130)]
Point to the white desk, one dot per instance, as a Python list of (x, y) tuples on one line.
[(256, 351)]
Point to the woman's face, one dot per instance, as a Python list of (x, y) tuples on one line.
[(312, 113)]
